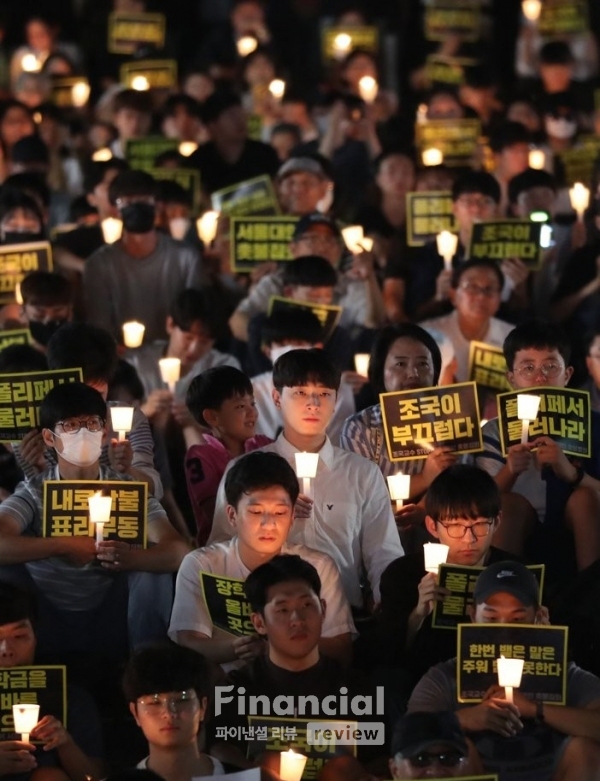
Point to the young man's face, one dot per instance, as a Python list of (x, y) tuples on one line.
[(438, 761), (236, 417), (68, 430), (535, 367), (189, 346), (306, 409), (231, 124), (169, 720), (300, 193), (471, 207), (131, 123), (514, 159), (44, 313), (535, 199), (318, 240), (592, 361), (471, 548), (292, 620), (262, 519), (503, 608), (314, 295), (99, 196), (17, 644), (556, 77), (408, 365), (477, 297)]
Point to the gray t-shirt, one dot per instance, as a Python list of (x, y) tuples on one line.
[(118, 288), (529, 756)]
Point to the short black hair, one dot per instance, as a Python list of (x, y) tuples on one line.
[(284, 568), (168, 191), (166, 667), (556, 53), (16, 604), (216, 104), (259, 470), (22, 358), (13, 197), (164, 159), (132, 99), (126, 377), (131, 183), (299, 324), (527, 180), (288, 127), (536, 334), (299, 367), (386, 338), (509, 134), (46, 288), (192, 306), (462, 491), (214, 386), (310, 271), (94, 171), (487, 263), (476, 182), (85, 346), (181, 100), (70, 400)]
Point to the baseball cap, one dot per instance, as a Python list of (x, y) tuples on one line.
[(417, 731), (509, 577), (306, 165), (307, 222)]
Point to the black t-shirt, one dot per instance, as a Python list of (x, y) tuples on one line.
[(215, 173), (82, 241)]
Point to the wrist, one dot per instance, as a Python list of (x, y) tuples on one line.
[(579, 474)]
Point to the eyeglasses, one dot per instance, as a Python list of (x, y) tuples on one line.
[(458, 530), (475, 290), (445, 758), (481, 201), (155, 704), (550, 370), (72, 425)]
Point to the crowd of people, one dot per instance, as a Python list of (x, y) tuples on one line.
[(151, 160)]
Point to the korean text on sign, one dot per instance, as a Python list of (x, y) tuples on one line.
[(487, 366), (252, 197), (417, 421), (66, 509), (427, 215), (260, 240), (21, 396), (275, 740), (447, 17), (503, 239), (226, 603), (457, 139), (564, 416), (43, 685), (18, 260), (543, 649), (128, 31)]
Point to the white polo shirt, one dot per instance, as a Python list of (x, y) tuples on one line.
[(352, 519)]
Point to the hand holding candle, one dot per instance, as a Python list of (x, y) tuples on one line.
[(291, 765), (368, 88), (361, 364), (399, 486), (122, 420), (342, 43), (306, 468), (25, 716), (432, 156), (446, 246), (100, 507), (111, 229), (579, 195), (353, 237), (527, 410), (435, 554), (207, 226), (510, 672), (170, 371)]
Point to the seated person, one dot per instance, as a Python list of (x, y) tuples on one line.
[(526, 739), (427, 745), (475, 293), (545, 487), (463, 512), (167, 688), (47, 304), (94, 351), (310, 278), (281, 332), (78, 580), (289, 610), (221, 401), (77, 752), (261, 490), (349, 516)]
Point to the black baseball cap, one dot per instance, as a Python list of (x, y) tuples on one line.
[(510, 577), (307, 222), (417, 731)]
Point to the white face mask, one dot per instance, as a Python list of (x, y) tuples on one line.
[(82, 448), (179, 226), (560, 128), (277, 352)]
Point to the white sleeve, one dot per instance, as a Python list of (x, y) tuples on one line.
[(189, 609), (338, 616)]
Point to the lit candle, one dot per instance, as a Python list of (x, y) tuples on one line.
[(207, 226), (30, 63), (80, 94), (112, 227), (99, 507), (531, 9), (361, 364), (187, 148), (435, 554), (399, 486), (122, 420), (170, 371), (527, 410), (537, 159), (446, 246), (368, 88), (342, 43), (291, 765), (25, 717), (277, 88), (306, 468), (246, 45), (18, 294), (432, 156), (133, 333), (510, 672), (367, 244), (353, 235), (140, 83), (102, 155), (580, 198)]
